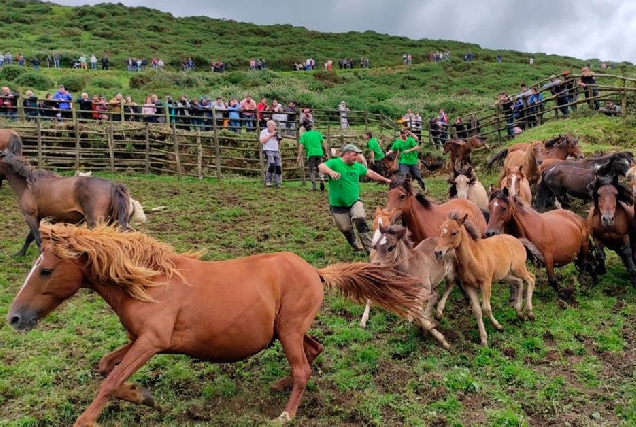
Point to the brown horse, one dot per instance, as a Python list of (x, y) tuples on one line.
[(611, 222), (560, 235), (44, 194), (631, 178), (423, 217), (530, 160), (10, 141), (483, 261), (517, 184), (395, 249), (460, 150), (561, 147), (219, 311)]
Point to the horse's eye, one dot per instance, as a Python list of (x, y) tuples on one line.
[(390, 248), (402, 196), (454, 233), (46, 272)]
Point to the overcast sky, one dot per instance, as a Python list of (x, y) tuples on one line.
[(604, 29)]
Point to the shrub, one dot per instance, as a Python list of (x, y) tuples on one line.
[(105, 83), (11, 72), (34, 81), (73, 83)]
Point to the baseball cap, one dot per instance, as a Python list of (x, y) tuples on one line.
[(351, 147)]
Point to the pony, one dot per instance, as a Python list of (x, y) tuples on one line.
[(217, 311), (44, 194), (395, 249), (611, 222), (483, 261), (572, 178), (559, 147), (423, 217), (465, 185), (137, 214), (517, 184), (460, 150), (560, 235), (530, 160)]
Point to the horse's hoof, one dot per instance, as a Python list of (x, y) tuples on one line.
[(282, 419), (438, 315), (147, 399), (446, 345), (531, 315)]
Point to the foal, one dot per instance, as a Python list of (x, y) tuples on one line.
[(483, 261)]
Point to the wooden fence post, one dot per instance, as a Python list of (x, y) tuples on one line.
[(199, 154), (77, 139), (217, 149), (177, 156), (40, 160), (624, 97), (111, 147), (498, 121), (328, 141), (147, 138)]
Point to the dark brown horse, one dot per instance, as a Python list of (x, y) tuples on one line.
[(44, 194), (573, 178), (218, 311), (423, 217), (560, 235), (611, 222), (460, 150)]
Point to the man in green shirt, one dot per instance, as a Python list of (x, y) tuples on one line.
[(408, 148), (312, 141), (376, 155), (344, 195)]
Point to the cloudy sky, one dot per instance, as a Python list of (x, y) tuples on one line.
[(604, 29)]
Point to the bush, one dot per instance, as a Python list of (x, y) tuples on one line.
[(73, 83), (105, 83), (11, 72), (34, 81)]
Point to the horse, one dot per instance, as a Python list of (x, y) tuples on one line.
[(423, 217), (530, 160), (395, 249), (10, 141), (460, 150), (465, 185), (483, 261), (611, 222), (574, 177), (560, 235), (44, 194), (559, 147), (631, 178), (217, 311), (137, 214), (517, 184)]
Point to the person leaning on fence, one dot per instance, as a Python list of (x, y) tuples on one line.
[(30, 104), (9, 100), (312, 140), (345, 205), (408, 161), (588, 82), (270, 138)]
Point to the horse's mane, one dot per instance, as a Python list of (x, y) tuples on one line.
[(551, 142), (468, 225), (500, 195), (130, 260), (23, 169), (394, 230), (406, 184), (624, 194)]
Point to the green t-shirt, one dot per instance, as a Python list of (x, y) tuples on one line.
[(401, 145), (374, 146), (312, 140), (345, 191)]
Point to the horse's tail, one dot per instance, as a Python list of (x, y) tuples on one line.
[(496, 158), (534, 255), (544, 194), (15, 144), (120, 206), (387, 287)]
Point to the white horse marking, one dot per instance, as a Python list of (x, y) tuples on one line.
[(35, 266)]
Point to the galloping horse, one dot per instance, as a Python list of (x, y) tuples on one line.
[(44, 194), (573, 178), (560, 235), (483, 261), (395, 249), (530, 160), (516, 182), (460, 150), (465, 185), (423, 217), (219, 311), (611, 222)]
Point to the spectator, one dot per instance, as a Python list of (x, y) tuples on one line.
[(218, 108), (248, 113), (234, 109), (407, 147), (49, 108), (205, 107), (560, 91), (277, 113), (345, 205), (434, 132), (531, 61), (85, 107), (20, 59), (460, 129), (131, 109), (312, 141), (116, 105), (56, 60), (376, 155), (306, 118), (159, 109), (64, 99), (1, 59), (49, 61), (183, 113), (407, 119), (535, 107), (442, 124), (507, 105), (291, 111), (343, 109), (588, 82), (82, 61), (610, 109), (9, 58), (270, 138), (36, 63), (416, 125), (93, 62), (104, 61), (474, 125), (499, 58), (30, 104)]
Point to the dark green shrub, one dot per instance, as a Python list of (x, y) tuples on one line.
[(105, 83), (74, 83), (34, 80), (11, 72), (138, 81)]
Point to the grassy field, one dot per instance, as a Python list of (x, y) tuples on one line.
[(574, 365)]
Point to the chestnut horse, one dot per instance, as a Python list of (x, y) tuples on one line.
[(561, 147), (44, 194), (423, 217), (465, 185), (560, 235), (631, 178), (460, 150), (611, 222), (530, 160), (483, 261), (394, 249), (517, 184), (218, 311), (10, 141)]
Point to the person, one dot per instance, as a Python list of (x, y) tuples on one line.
[(507, 105), (558, 89), (104, 62), (30, 104), (376, 155), (64, 99), (345, 205), (9, 99), (408, 147), (535, 107), (416, 125), (342, 108), (433, 131), (460, 129), (312, 141), (248, 112), (588, 82), (85, 106), (270, 138), (306, 118), (474, 128), (609, 109)]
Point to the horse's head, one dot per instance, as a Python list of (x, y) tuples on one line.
[(462, 185), (52, 280), (450, 233), (607, 192), (572, 147), (512, 180), (400, 195), (500, 209), (383, 218), (537, 152), (389, 248)]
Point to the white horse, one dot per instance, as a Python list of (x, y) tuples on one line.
[(467, 186)]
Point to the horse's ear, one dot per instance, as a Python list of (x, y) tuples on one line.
[(462, 219), (382, 229), (401, 233)]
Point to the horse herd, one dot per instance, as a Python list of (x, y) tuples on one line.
[(176, 303)]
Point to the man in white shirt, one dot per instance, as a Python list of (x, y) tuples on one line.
[(269, 137)]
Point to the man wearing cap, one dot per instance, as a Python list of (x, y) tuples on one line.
[(344, 195), (408, 147)]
